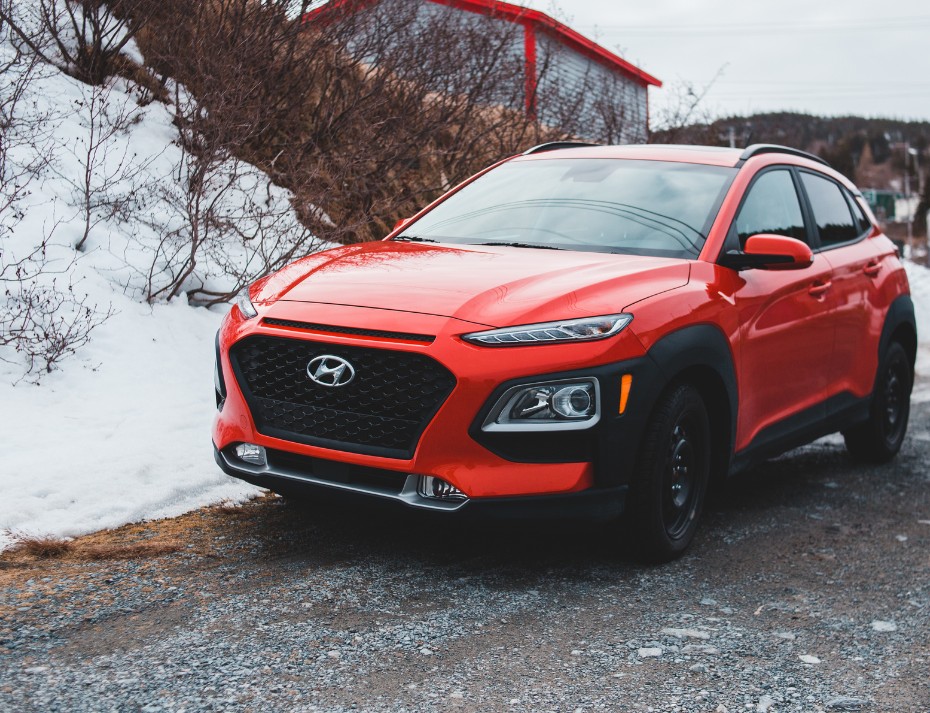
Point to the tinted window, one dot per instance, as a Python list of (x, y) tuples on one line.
[(604, 205), (772, 206), (831, 211)]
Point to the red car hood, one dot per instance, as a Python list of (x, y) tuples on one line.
[(494, 286)]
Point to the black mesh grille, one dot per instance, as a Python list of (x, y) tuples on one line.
[(382, 411), (357, 331)]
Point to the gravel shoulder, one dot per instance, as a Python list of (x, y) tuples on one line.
[(808, 590)]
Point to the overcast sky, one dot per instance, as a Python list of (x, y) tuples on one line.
[(853, 57)]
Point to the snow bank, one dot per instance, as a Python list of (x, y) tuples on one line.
[(123, 437)]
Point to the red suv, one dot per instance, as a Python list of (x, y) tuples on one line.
[(577, 331)]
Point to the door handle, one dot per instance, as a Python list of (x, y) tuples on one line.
[(819, 289), (873, 268)]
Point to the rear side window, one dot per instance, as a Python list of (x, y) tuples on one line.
[(862, 223), (831, 211), (772, 207)]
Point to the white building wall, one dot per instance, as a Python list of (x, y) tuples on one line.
[(588, 98), (581, 96)]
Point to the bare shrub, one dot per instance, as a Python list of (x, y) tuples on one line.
[(43, 318), (109, 177), (44, 321), (360, 144)]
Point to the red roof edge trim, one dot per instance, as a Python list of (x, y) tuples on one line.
[(515, 13)]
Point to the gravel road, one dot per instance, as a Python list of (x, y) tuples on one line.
[(808, 590)]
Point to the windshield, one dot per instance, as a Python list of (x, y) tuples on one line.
[(604, 205)]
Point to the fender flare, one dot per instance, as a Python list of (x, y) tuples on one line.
[(700, 345), (900, 312)]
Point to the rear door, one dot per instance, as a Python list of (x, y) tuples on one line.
[(786, 318), (857, 263)]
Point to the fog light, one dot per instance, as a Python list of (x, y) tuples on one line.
[(438, 489), (251, 453)]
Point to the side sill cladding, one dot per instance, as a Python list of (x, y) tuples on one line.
[(704, 347)]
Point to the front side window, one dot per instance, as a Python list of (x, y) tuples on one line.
[(831, 211), (772, 207), (635, 207)]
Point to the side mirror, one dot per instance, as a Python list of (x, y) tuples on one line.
[(401, 223), (770, 252)]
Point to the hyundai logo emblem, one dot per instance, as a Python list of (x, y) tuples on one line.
[(329, 370)]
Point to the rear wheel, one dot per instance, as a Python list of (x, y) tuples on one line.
[(879, 439), (671, 477)]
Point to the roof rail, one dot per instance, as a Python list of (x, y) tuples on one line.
[(757, 149), (555, 145)]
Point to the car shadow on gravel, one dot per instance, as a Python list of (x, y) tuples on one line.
[(344, 531), (792, 491)]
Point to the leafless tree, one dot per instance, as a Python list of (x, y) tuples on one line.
[(685, 116)]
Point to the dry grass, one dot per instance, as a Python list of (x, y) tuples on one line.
[(228, 507), (47, 548), (136, 550), (42, 547)]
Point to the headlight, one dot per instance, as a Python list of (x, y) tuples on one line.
[(566, 405), (245, 305), (570, 330)]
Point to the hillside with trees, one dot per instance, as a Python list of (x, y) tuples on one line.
[(844, 141)]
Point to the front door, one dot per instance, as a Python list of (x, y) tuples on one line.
[(787, 331)]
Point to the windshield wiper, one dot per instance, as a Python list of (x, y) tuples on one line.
[(522, 245), (414, 239)]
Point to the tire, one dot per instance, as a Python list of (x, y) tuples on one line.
[(879, 439), (671, 476)]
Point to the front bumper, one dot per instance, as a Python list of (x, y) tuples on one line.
[(327, 478), (591, 466)]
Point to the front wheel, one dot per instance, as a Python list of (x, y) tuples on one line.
[(671, 477), (879, 439)]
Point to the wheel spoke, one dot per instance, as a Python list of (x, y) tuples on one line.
[(679, 490)]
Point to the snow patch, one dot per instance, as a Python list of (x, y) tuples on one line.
[(919, 278)]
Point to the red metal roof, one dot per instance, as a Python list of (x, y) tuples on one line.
[(515, 13)]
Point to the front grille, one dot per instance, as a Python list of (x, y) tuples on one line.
[(354, 331), (382, 411)]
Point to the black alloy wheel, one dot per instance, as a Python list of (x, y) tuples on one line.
[(879, 439), (672, 472)]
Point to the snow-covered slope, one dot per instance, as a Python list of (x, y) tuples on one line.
[(121, 431)]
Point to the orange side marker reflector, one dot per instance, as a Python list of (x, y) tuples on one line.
[(626, 381)]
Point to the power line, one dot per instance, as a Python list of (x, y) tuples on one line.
[(904, 24)]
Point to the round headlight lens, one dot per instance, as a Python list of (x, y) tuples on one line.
[(573, 401)]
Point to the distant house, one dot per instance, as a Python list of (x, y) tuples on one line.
[(568, 81)]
